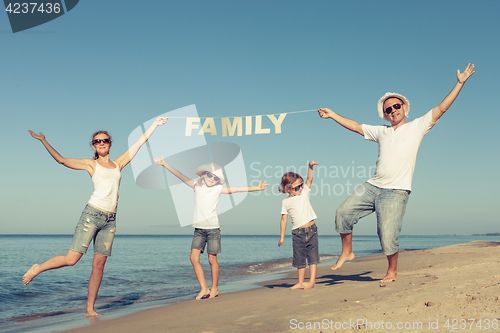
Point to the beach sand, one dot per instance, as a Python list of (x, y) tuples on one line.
[(438, 290)]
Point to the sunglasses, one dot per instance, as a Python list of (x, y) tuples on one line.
[(210, 175), (98, 141), (395, 106), (297, 188)]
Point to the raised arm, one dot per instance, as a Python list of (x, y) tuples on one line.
[(347, 123), (188, 181), (439, 110), (310, 173), (261, 187), (125, 159), (72, 163), (284, 220)]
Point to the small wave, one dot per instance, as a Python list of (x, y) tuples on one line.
[(327, 257), (268, 266), (43, 315), (264, 267), (256, 267)]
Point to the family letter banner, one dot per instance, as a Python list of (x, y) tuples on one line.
[(182, 144)]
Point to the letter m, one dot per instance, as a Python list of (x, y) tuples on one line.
[(237, 124)]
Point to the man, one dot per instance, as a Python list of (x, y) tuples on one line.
[(386, 193)]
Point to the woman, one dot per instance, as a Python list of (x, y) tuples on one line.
[(98, 218)]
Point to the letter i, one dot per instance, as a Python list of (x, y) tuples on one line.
[(248, 125)]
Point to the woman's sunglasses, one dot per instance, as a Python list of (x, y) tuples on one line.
[(98, 141), (210, 175), (297, 188), (395, 106)]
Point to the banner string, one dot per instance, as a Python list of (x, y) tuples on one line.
[(247, 116)]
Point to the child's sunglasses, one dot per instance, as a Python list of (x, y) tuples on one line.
[(210, 175), (297, 188), (97, 141), (395, 106)]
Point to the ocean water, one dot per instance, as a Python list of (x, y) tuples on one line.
[(147, 271)]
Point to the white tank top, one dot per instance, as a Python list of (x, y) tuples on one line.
[(106, 183)]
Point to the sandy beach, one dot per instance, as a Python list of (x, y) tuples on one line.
[(453, 288)]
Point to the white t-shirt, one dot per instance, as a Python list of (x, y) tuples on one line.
[(205, 206), (299, 208), (397, 152)]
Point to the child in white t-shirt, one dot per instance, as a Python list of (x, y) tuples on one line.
[(304, 230), (207, 190)]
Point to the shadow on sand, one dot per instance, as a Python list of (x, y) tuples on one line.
[(328, 280)]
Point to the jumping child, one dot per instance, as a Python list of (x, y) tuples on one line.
[(207, 190), (304, 230)]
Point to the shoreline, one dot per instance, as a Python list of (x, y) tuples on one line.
[(435, 285)]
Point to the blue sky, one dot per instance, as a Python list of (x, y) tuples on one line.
[(115, 65)]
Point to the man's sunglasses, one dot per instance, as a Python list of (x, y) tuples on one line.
[(297, 188), (211, 175), (98, 141), (395, 106)]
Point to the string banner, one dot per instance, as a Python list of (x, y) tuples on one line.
[(182, 144), (230, 126)]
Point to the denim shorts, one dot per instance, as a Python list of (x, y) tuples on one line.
[(305, 246), (94, 225), (388, 204), (211, 237)]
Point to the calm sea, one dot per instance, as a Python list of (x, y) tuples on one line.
[(148, 271)]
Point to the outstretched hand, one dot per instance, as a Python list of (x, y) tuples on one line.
[(262, 185), (462, 77), (39, 136), (313, 163), (325, 113), (159, 161), (161, 121)]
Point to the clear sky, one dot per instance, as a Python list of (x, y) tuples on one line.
[(116, 64)]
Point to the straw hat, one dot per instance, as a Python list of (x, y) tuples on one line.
[(381, 101), (212, 168)]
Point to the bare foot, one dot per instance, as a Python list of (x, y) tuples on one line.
[(91, 313), (308, 285), (204, 294), (342, 259), (92, 319), (390, 277), (31, 273), (214, 293), (297, 286)]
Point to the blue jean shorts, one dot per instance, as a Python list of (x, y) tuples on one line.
[(388, 204), (94, 225), (305, 246), (210, 237)]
